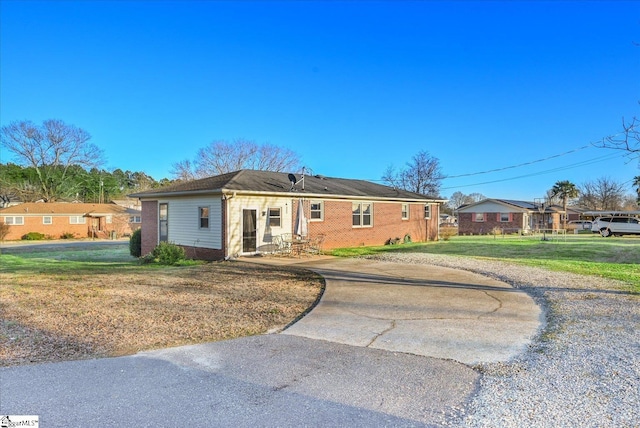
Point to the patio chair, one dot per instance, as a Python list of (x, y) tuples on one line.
[(284, 246), (315, 245)]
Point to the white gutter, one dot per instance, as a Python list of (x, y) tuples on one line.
[(285, 194)]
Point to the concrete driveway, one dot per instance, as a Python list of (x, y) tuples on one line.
[(363, 357), (423, 310)]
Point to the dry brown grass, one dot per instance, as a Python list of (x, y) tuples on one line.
[(55, 317)]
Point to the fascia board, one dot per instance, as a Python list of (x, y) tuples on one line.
[(153, 196), (329, 196), (279, 194)]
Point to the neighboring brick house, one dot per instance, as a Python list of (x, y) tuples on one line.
[(81, 220), (509, 216), (240, 213)]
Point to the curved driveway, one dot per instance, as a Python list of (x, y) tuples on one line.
[(362, 357), (423, 310)]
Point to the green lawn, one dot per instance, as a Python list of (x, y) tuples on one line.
[(65, 261), (616, 258)]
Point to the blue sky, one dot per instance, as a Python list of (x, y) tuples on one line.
[(353, 86)]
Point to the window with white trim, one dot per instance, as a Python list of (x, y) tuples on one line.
[(362, 214), (504, 217), (275, 217), (135, 219), (77, 219), (47, 219), (477, 217), (317, 211), (204, 217), (109, 219), (427, 211), (14, 221), (405, 211)]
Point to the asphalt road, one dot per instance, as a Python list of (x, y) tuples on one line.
[(261, 381)]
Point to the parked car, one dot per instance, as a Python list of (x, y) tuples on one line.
[(616, 226), (580, 224)]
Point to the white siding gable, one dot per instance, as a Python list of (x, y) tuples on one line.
[(491, 207), (184, 222)]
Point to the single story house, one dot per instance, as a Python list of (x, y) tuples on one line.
[(510, 216), (55, 219), (242, 213)]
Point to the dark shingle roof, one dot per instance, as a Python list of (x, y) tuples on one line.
[(523, 205), (279, 183), (520, 204)]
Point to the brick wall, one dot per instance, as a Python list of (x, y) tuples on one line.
[(149, 226), (198, 253), (54, 230), (467, 226), (60, 225), (387, 224)]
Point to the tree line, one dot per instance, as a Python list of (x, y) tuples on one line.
[(76, 183), (57, 161)]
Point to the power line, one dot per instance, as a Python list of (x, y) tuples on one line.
[(519, 165), (571, 166), (593, 144)]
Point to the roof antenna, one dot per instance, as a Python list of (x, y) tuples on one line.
[(294, 181)]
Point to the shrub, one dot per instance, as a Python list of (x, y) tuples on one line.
[(67, 235), (33, 236), (135, 243), (446, 232), (147, 259), (168, 254)]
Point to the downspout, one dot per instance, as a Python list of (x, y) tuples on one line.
[(227, 224), (438, 223)]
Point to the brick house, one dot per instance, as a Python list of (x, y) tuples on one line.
[(510, 216), (79, 219), (241, 212)]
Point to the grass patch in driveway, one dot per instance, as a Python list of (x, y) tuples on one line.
[(613, 258), (58, 306)]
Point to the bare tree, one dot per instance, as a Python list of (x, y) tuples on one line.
[(475, 197), (627, 140), (4, 230), (221, 157), (183, 170), (602, 194), (629, 202), (422, 175), (51, 149), (458, 199)]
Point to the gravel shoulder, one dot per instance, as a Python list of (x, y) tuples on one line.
[(584, 367)]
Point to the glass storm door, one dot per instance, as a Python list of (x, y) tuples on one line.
[(163, 218), (249, 231)]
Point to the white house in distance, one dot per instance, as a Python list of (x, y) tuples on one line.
[(241, 213)]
